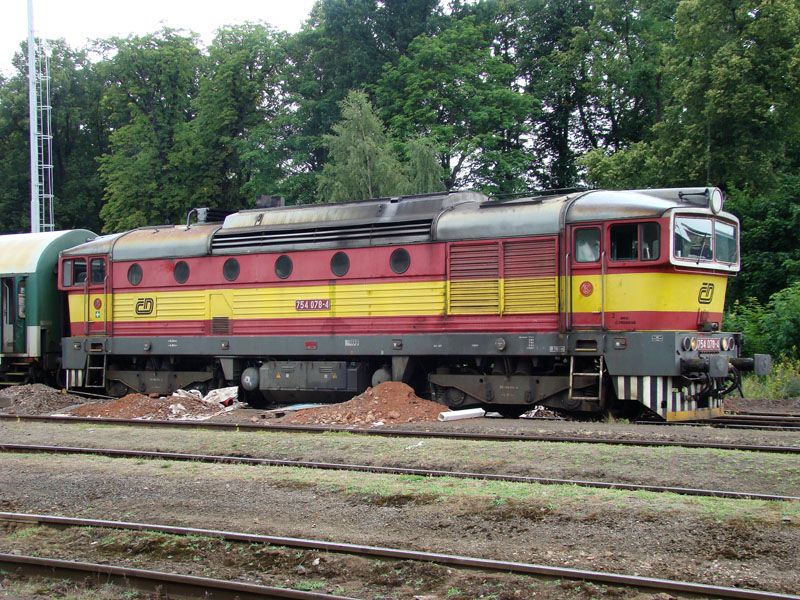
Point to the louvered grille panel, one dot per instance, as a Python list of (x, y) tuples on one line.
[(220, 325), (531, 258), (419, 229), (531, 270), (474, 279)]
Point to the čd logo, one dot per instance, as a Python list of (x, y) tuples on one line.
[(145, 306), (706, 294)]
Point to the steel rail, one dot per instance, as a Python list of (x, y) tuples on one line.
[(385, 470), (410, 433), (165, 583), (406, 554)]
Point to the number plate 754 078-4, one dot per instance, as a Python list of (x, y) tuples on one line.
[(708, 345)]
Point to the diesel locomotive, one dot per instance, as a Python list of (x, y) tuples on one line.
[(583, 302)]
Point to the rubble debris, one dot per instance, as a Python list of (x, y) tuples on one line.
[(183, 405), (389, 403), (35, 399), (457, 415)]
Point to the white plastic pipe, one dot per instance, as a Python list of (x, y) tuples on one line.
[(467, 413)]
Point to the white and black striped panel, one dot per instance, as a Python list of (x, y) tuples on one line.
[(74, 378), (652, 391), (657, 394)]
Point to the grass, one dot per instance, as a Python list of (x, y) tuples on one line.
[(467, 496), (783, 382)]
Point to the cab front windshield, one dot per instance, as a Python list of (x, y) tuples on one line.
[(705, 239)]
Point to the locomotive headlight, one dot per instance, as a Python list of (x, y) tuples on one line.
[(723, 343), (689, 343), (716, 200), (693, 343), (731, 343)]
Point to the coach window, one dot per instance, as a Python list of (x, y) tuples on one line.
[(340, 264), (587, 245), (135, 274), (181, 272), (98, 266)]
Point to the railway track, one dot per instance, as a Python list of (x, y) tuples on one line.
[(183, 586), (457, 435), (784, 422), (450, 560), (246, 460)]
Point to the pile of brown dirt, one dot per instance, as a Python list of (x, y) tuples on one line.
[(388, 403), (138, 406), (35, 399)]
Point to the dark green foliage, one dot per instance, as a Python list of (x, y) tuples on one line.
[(363, 163), (773, 328), (770, 239), (452, 89), (150, 82)]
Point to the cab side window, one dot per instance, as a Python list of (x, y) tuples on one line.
[(635, 241), (624, 242), (73, 273), (98, 270), (587, 245)]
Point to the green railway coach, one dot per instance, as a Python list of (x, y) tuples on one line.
[(33, 311)]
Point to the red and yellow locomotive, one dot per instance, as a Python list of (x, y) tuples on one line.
[(582, 302)]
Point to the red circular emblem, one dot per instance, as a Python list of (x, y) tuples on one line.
[(587, 288), (98, 303)]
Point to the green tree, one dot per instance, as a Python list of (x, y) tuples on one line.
[(79, 135), (344, 45), (770, 243), (452, 89), (150, 83), (731, 116), (362, 162), (219, 155)]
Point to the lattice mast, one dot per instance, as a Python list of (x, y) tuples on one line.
[(41, 138)]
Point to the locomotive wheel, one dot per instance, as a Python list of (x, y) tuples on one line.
[(455, 398)]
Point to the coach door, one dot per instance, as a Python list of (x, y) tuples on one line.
[(585, 278), (12, 324)]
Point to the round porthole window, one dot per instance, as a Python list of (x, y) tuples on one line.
[(230, 270), (181, 272), (340, 264), (135, 274), (400, 260), (283, 266)]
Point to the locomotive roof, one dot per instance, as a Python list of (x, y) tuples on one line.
[(403, 220), (537, 215), (21, 252)]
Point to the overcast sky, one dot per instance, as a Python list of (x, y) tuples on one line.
[(80, 20)]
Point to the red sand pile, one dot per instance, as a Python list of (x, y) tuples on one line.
[(388, 403), (137, 406)]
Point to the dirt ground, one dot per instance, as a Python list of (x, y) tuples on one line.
[(729, 542), (742, 543), (747, 472)]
